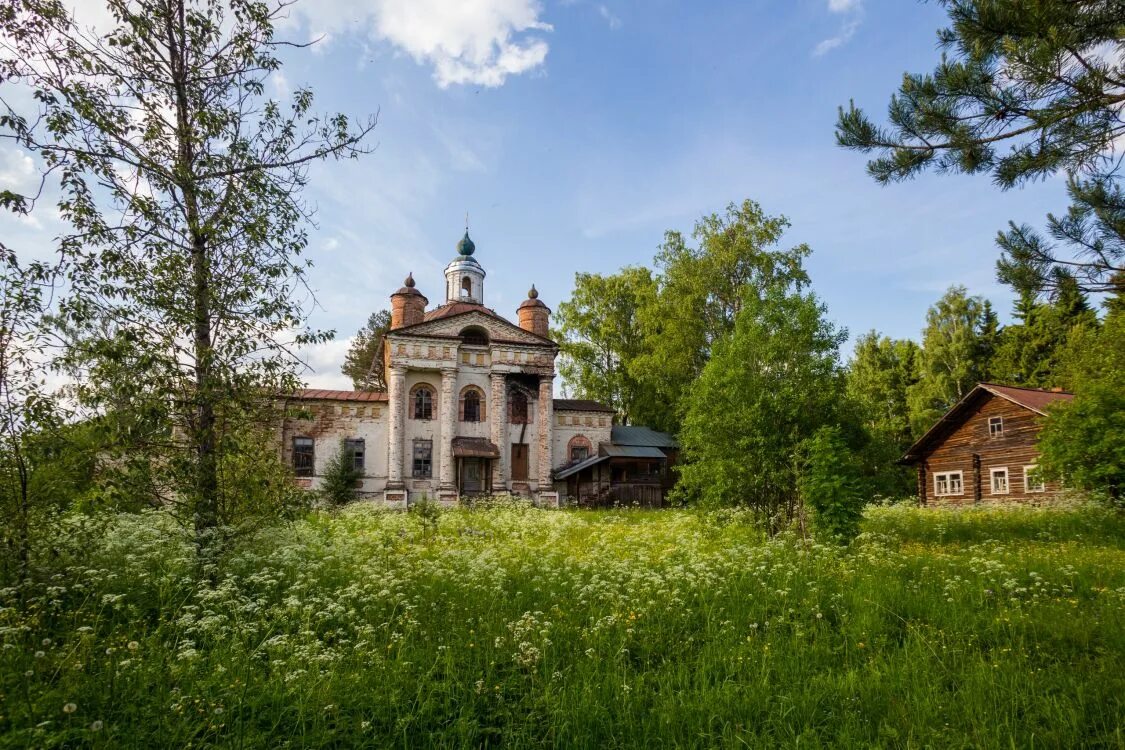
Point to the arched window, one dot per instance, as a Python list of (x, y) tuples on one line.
[(474, 336), (422, 402), (472, 404), (517, 408), (578, 449), (466, 286)]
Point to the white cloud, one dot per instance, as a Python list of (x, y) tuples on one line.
[(477, 42), (17, 171), (843, 6), (613, 21), (847, 31), (324, 362)]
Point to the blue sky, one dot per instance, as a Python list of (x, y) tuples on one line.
[(575, 133)]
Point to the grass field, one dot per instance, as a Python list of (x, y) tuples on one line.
[(521, 628)]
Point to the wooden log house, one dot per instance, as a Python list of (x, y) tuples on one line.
[(984, 448)]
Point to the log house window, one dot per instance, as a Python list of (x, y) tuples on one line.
[(423, 459), (995, 426), (303, 456), (1033, 479), (999, 481), (356, 448), (948, 483), (422, 402)]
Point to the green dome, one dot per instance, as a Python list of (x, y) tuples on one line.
[(466, 246)]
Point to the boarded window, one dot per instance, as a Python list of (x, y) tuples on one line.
[(517, 408), (356, 448), (423, 459), (303, 456), (519, 461)]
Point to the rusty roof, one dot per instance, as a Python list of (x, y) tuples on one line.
[(1034, 399), (324, 394), (450, 309), (581, 404), (474, 447)]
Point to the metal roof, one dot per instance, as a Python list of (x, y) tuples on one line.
[(632, 451), (580, 404), (475, 447), (641, 435), (567, 471), (321, 394)]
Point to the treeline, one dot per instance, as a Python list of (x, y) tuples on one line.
[(723, 343)]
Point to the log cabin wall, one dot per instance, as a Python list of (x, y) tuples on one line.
[(972, 450)]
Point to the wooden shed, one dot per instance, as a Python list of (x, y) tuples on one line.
[(984, 448)]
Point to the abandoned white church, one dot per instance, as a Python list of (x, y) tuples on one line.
[(470, 410)]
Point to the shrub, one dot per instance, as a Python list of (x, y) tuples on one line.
[(829, 483), (340, 477)]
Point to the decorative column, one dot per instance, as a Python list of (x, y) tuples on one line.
[(396, 397), (546, 490), (498, 415), (447, 490)]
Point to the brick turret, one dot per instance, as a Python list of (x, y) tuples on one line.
[(534, 315), (408, 305)]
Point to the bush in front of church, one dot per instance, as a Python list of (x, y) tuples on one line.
[(338, 484)]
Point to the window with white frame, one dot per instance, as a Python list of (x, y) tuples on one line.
[(995, 426), (948, 483), (1033, 479), (1000, 481)]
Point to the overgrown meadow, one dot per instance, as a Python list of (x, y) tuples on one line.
[(515, 627)]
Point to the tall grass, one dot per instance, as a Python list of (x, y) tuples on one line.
[(524, 628)]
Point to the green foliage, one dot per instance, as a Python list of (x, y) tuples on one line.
[(600, 338), (1024, 92), (525, 628), (700, 292), (1029, 351), (1083, 442), (428, 514), (771, 384), (954, 357), (181, 184), (638, 339), (830, 485), (879, 376), (340, 476), (364, 361)]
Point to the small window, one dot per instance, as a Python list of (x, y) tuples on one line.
[(474, 336), (466, 286), (357, 450), (948, 483), (579, 453), (995, 426), (517, 408), (1000, 481), (423, 459), (1033, 479), (422, 404), (303, 456), (472, 407)]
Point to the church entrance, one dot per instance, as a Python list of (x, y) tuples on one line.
[(476, 474)]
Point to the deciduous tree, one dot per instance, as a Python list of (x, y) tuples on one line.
[(182, 184)]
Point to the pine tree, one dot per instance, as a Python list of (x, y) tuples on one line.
[(1024, 91), (364, 361)]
